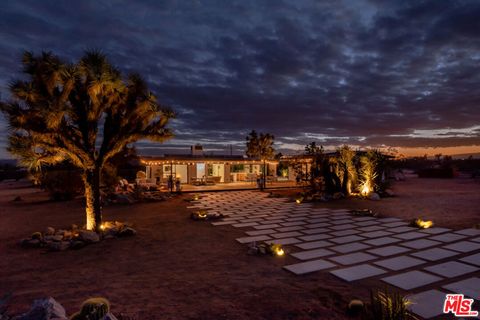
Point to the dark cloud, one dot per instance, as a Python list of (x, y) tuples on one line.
[(368, 73)]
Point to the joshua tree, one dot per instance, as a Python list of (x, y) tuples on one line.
[(85, 113), (261, 146)]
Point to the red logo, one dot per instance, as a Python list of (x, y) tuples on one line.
[(459, 306)]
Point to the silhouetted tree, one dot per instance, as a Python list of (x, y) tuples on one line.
[(85, 113), (261, 146)]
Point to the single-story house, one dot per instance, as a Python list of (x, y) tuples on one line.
[(198, 168)]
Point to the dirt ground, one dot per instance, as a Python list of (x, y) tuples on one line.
[(452, 203), (176, 268)]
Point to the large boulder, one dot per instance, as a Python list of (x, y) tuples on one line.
[(44, 309), (57, 238), (374, 196), (88, 236), (77, 244), (124, 199), (127, 231), (49, 231)]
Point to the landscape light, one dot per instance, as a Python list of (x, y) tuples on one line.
[(424, 224), (365, 189)]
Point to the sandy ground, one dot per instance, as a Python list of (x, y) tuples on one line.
[(176, 268), (452, 203)]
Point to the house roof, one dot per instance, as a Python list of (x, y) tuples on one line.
[(229, 159), (192, 159)]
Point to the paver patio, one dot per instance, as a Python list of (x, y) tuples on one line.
[(427, 304), (355, 247)]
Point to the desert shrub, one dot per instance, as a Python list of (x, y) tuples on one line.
[(62, 184), (386, 305), (372, 172), (11, 171), (320, 176), (368, 174), (346, 169)]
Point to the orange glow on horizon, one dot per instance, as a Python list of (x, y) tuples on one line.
[(420, 152)]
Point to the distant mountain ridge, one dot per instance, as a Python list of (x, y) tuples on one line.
[(466, 155), (11, 162)]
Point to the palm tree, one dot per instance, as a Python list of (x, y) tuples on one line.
[(85, 113), (261, 146)]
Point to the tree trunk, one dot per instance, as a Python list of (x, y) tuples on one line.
[(91, 179), (264, 175)]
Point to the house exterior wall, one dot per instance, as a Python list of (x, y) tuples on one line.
[(188, 170), (154, 172), (291, 173), (181, 172), (192, 172), (272, 170), (227, 174)]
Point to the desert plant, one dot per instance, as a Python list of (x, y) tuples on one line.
[(315, 176), (62, 184), (92, 309), (85, 113), (386, 305), (346, 168), (261, 146), (355, 307), (380, 164), (368, 173), (333, 183)]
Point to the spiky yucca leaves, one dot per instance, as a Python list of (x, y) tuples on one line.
[(84, 112), (373, 163), (386, 305)]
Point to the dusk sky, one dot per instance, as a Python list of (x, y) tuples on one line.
[(401, 74)]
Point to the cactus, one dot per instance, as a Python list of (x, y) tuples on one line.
[(92, 309), (37, 235), (355, 307)]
